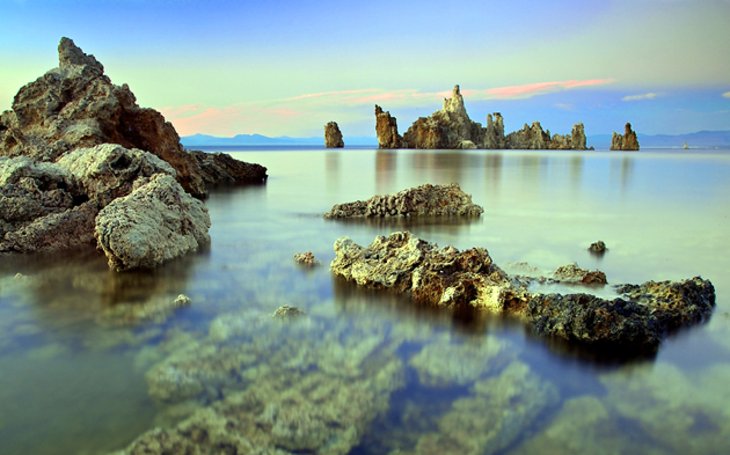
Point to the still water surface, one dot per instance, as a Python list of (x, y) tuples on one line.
[(86, 354)]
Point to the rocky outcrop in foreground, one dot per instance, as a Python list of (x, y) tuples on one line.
[(626, 141), (451, 128), (333, 136), (425, 200), (640, 317), (76, 105), (127, 202), (157, 222)]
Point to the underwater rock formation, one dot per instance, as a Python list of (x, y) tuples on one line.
[(386, 129), (626, 141), (76, 105), (451, 128), (157, 222), (333, 136), (424, 200), (640, 317)]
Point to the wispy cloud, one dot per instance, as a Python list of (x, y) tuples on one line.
[(641, 97), (726, 95), (303, 113)]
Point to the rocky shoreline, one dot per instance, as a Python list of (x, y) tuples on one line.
[(82, 164)]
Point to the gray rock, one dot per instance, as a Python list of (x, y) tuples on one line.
[(333, 136), (288, 312), (573, 274), (598, 248), (307, 259), (425, 200), (157, 222)]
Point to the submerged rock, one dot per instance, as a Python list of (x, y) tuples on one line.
[(386, 129), (641, 317), (626, 141), (288, 312), (307, 258), (496, 412), (424, 200), (333, 136), (157, 222)]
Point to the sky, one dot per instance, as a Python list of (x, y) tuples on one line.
[(285, 68)]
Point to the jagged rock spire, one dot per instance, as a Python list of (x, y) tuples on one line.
[(70, 54)]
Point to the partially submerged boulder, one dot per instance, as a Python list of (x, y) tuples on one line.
[(424, 200), (640, 317), (157, 222)]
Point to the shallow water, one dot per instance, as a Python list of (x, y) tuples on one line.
[(89, 359)]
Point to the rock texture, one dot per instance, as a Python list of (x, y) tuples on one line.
[(425, 200), (640, 318), (451, 128), (157, 222), (333, 136), (626, 141), (386, 128), (221, 169), (598, 248), (446, 128), (76, 105)]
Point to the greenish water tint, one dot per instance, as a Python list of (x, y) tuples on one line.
[(90, 360)]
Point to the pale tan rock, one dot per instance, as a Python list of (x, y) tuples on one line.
[(155, 223)]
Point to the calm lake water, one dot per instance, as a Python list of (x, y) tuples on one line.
[(90, 360)]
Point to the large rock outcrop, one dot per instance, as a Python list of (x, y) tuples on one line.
[(447, 128), (424, 200), (333, 136), (386, 128), (157, 222), (626, 141), (221, 169), (76, 105), (640, 317), (451, 128)]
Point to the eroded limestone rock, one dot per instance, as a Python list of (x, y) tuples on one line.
[(157, 222), (424, 200), (641, 317), (333, 136), (386, 129), (571, 273), (307, 259), (75, 105), (626, 141)]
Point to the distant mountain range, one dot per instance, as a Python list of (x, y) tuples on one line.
[(600, 141)]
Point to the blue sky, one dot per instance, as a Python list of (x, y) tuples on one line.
[(286, 68)]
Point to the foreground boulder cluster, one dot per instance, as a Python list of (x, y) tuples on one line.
[(81, 163)]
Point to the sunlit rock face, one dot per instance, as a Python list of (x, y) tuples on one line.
[(422, 201), (156, 222), (333, 136), (639, 318), (446, 128), (626, 141), (386, 128)]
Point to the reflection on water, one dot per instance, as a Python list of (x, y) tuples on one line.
[(91, 360)]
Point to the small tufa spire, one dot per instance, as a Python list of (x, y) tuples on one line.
[(70, 54)]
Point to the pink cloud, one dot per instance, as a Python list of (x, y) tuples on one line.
[(539, 88)]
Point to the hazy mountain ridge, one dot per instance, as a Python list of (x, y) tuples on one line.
[(696, 139)]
